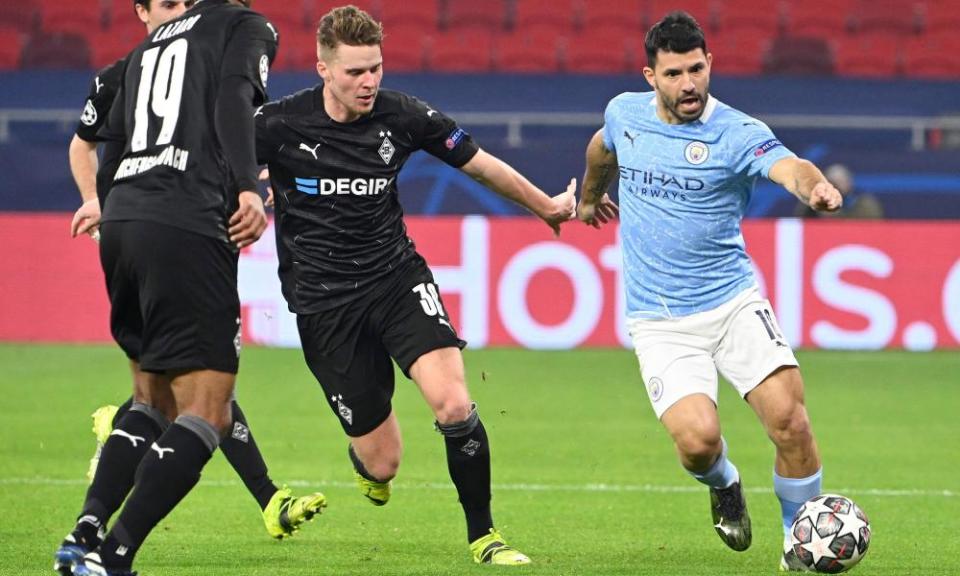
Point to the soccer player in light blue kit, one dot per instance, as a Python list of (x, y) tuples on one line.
[(687, 164)]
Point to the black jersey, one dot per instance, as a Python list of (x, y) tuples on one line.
[(174, 170), (100, 97), (338, 218)]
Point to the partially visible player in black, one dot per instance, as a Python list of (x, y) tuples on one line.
[(282, 513), (183, 202), (361, 292)]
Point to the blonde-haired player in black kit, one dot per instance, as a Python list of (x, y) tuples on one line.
[(361, 292)]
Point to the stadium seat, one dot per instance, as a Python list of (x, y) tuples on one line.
[(739, 53), (11, 44), (526, 52), (737, 15), (702, 10), (897, 16), (470, 14), (56, 51), (78, 18), (933, 55), (870, 55), (595, 52), (422, 13), (799, 56), (298, 50), (557, 17), (940, 15), (23, 16), (116, 42), (812, 20), (404, 48), (461, 51), (315, 9), (287, 17), (621, 17)]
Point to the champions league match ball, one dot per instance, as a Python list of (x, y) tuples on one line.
[(830, 534)]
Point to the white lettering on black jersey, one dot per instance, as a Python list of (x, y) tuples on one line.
[(338, 218), (173, 170)]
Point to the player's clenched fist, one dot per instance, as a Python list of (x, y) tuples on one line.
[(249, 221), (825, 198)]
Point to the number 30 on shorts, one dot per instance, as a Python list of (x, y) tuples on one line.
[(429, 299)]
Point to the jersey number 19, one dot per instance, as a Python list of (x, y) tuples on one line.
[(161, 88)]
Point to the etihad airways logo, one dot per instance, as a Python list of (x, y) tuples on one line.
[(650, 184), (343, 186)]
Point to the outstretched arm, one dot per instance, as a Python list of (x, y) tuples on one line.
[(500, 177), (596, 208), (805, 181)]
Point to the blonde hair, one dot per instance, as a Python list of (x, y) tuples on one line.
[(348, 25)]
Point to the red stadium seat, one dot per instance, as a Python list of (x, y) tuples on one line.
[(933, 55), (799, 56), (461, 51), (422, 13), (298, 50), (941, 15), (24, 16), (739, 53), (523, 52), (812, 20), (554, 16), (595, 52), (404, 48), (315, 9), (623, 17), (737, 15), (80, 18), (287, 17), (470, 14), (898, 16), (872, 55), (117, 41), (702, 10), (11, 44), (56, 52)]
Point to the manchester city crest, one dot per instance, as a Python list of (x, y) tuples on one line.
[(696, 153)]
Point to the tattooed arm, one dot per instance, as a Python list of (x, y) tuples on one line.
[(595, 207)]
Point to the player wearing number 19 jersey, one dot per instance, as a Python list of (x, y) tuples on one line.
[(687, 164), (170, 229), (361, 292)]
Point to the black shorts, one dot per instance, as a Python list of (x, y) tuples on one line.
[(349, 348), (173, 296)]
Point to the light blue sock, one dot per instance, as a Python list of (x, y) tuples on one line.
[(722, 474), (792, 493)]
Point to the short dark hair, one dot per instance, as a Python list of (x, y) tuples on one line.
[(678, 32)]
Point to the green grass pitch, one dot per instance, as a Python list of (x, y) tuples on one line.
[(585, 479)]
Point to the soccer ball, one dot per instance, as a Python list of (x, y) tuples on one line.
[(830, 534)]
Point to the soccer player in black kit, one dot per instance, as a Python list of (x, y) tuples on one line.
[(361, 292), (170, 231), (282, 512)]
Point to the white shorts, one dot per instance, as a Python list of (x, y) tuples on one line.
[(681, 356)]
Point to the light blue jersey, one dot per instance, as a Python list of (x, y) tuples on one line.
[(683, 191)]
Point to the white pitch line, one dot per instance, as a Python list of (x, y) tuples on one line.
[(600, 488)]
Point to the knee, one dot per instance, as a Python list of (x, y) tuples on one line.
[(791, 428), (383, 467), (453, 410), (699, 448)]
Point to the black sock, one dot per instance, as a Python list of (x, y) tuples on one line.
[(122, 410), (166, 474), (241, 451), (119, 458), (468, 459)]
